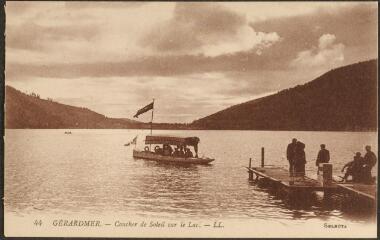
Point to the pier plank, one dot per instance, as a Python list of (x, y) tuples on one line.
[(281, 176), (365, 190)]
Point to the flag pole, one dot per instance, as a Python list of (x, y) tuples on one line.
[(151, 122)]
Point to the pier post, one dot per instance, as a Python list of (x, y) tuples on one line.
[(327, 180), (262, 157), (250, 173), (327, 174)]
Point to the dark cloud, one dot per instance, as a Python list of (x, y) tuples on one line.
[(31, 36), (150, 66), (193, 25), (208, 18)]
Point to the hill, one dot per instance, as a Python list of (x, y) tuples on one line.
[(29, 111), (343, 99)]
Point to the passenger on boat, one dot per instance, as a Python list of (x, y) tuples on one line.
[(158, 150), (170, 149), (188, 153), (354, 168), (176, 152), (181, 152), (167, 150), (369, 162)]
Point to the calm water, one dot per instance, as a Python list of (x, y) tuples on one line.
[(91, 171)]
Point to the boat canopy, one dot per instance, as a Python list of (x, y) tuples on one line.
[(181, 141), (188, 141)]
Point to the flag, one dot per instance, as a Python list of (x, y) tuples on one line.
[(144, 109), (134, 141)]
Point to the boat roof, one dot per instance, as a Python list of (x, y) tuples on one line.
[(172, 140)]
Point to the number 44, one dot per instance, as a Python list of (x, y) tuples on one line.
[(38, 222)]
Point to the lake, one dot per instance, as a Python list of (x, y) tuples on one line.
[(92, 172)]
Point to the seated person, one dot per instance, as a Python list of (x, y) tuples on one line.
[(188, 153), (176, 152), (166, 150), (181, 152), (158, 150), (354, 168), (170, 149)]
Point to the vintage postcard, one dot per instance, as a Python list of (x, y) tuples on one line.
[(191, 119)]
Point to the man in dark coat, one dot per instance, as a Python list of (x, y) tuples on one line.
[(300, 159), (323, 155), (290, 154), (369, 162)]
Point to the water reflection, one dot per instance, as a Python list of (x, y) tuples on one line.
[(50, 171)]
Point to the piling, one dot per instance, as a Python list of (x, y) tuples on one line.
[(262, 157), (327, 180), (327, 174), (250, 173)]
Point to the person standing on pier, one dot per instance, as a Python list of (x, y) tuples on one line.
[(369, 162), (300, 159), (323, 156), (290, 154)]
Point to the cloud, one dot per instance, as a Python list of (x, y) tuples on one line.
[(170, 65), (328, 53), (33, 36), (206, 28), (52, 32), (353, 24), (326, 40)]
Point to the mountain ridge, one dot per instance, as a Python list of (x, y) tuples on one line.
[(342, 99), (29, 111)]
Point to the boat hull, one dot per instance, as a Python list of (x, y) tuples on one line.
[(147, 155)]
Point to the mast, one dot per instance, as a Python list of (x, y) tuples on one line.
[(151, 122)]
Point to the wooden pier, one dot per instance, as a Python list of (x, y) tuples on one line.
[(361, 190), (281, 177), (280, 180)]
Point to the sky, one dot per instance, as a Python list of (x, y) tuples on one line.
[(193, 58)]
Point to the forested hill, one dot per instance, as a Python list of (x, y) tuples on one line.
[(30, 111), (343, 99)]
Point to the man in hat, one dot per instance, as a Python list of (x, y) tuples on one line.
[(290, 154), (369, 162), (323, 156)]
